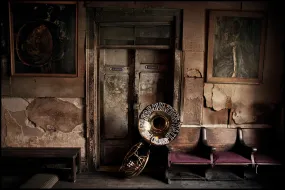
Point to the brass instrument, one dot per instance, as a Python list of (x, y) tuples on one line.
[(159, 124)]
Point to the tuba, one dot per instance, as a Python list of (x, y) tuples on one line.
[(158, 125)]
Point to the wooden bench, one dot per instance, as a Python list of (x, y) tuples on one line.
[(230, 153), (69, 156), (263, 140), (237, 148), (189, 148), (228, 147)]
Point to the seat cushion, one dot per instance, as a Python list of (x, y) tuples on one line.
[(230, 157), (182, 157), (260, 158)]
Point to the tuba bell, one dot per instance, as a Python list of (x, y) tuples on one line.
[(158, 125)]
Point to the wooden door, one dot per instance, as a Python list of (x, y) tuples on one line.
[(129, 81), (154, 82), (116, 113)]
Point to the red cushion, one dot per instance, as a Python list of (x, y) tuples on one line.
[(181, 157), (229, 157), (262, 158)]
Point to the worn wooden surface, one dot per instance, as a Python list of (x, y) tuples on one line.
[(260, 138), (221, 138), (186, 140)]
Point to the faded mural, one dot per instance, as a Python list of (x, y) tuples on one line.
[(237, 47), (44, 38)]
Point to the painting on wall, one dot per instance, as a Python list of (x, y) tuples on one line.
[(235, 47), (43, 38)]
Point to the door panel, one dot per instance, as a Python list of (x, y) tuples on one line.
[(151, 68), (115, 117), (115, 95), (151, 89), (114, 154), (155, 84)]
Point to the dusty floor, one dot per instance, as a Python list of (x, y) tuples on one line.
[(145, 181)]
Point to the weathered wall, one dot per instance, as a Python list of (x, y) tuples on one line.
[(232, 105), (211, 105), (229, 105), (223, 105), (46, 111), (220, 105), (43, 122)]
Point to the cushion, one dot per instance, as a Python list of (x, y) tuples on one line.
[(230, 157), (182, 157)]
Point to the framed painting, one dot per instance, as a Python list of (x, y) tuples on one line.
[(43, 38), (235, 47)]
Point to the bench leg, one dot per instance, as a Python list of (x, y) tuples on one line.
[(166, 177), (73, 170), (78, 161)]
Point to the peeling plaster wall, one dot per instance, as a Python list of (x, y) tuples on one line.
[(28, 120), (248, 104), (43, 122), (232, 105)]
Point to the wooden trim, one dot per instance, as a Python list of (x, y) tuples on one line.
[(12, 41), (182, 90), (134, 47), (135, 24), (210, 78), (91, 94)]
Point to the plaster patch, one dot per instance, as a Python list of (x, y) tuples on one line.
[(78, 102), (194, 73), (208, 93), (14, 104), (219, 99), (52, 114)]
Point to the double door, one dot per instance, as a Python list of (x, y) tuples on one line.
[(130, 79)]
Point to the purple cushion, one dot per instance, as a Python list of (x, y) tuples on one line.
[(229, 157), (262, 158), (181, 157)]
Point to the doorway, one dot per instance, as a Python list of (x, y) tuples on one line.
[(130, 79), (137, 63)]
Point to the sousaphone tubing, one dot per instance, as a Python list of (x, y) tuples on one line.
[(159, 124)]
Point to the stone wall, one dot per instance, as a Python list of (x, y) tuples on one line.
[(43, 122)]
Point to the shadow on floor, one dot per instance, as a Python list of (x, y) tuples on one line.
[(147, 181)]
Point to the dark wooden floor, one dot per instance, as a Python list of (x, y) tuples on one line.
[(146, 181)]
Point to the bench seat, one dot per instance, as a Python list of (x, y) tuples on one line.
[(187, 158), (229, 157)]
